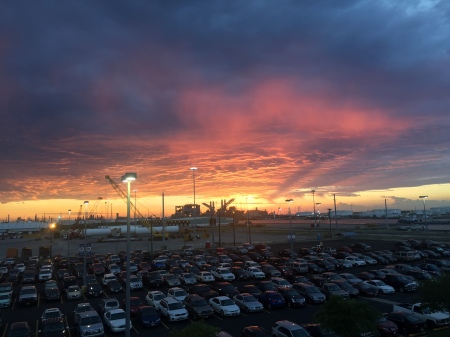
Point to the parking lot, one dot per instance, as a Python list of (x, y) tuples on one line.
[(233, 325)]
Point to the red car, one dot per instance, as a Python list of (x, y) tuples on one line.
[(135, 304), (387, 328)]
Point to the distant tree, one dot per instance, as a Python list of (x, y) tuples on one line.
[(347, 318), (197, 329), (436, 292)]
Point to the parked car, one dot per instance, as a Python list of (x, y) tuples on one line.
[(292, 297), (148, 317), (311, 293), (224, 306), (115, 320), (272, 299), (197, 307), (288, 329), (154, 297), (248, 303), (172, 309), (407, 323)]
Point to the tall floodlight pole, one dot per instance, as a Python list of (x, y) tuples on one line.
[(329, 218), (291, 234), (86, 203), (335, 210), (193, 169), (234, 231), (248, 223), (423, 197), (128, 178), (318, 211), (386, 213), (68, 237), (314, 204)]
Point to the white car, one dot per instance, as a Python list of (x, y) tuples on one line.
[(114, 269), (73, 293), (187, 278), (224, 306), (172, 309), (205, 277), (135, 282), (356, 261), (107, 278), (369, 260), (177, 293), (288, 329), (382, 287), (254, 273), (20, 267), (45, 274), (248, 302), (346, 264), (352, 279), (154, 297), (115, 320), (223, 274)]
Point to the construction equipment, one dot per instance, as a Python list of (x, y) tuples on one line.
[(224, 204), (78, 218), (94, 209), (144, 221)]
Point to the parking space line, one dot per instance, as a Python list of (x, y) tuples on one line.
[(134, 331), (219, 317), (67, 325), (164, 325), (4, 331), (37, 327)]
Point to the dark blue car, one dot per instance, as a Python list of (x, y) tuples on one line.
[(148, 317), (271, 299)]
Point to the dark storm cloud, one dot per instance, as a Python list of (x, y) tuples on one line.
[(81, 80)]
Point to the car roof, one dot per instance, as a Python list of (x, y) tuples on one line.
[(88, 313)]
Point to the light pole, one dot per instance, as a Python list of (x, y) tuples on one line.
[(234, 231), (423, 197), (52, 228), (314, 205), (128, 178), (86, 203), (135, 206), (68, 237), (291, 234), (318, 211), (329, 218), (193, 169), (248, 223)]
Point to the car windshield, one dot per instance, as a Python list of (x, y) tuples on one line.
[(180, 293), (84, 308), (52, 314), (333, 287), (149, 311), (312, 290), (90, 320), (249, 299), (158, 297), (57, 326), (18, 332), (299, 333), (112, 304), (4, 296), (200, 303), (175, 306), (226, 302), (117, 315), (27, 291)]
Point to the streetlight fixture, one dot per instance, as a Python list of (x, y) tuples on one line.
[(193, 169), (86, 203), (423, 197), (318, 211), (291, 235), (314, 204), (128, 178), (68, 237)]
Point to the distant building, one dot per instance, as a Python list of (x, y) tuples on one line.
[(381, 213)]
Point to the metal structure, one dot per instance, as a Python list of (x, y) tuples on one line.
[(145, 222)]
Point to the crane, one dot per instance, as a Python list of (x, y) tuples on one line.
[(224, 204), (94, 208), (78, 218), (124, 197)]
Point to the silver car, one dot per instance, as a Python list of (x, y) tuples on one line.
[(248, 303)]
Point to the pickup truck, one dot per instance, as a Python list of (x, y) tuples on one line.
[(433, 318)]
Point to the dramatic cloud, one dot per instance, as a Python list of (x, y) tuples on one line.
[(266, 98)]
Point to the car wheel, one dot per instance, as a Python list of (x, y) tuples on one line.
[(222, 313), (402, 290), (289, 304), (269, 306)]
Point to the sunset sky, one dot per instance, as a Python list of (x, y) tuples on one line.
[(269, 99)]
